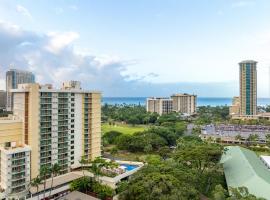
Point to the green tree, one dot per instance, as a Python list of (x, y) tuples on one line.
[(238, 137), (111, 137), (202, 157), (55, 169), (35, 183), (160, 182), (83, 184), (83, 162), (45, 172), (267, 138), (219, 193)]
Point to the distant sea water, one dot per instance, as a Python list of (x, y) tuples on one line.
[(202, 101)]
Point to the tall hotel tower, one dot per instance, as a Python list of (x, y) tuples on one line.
[(60, 125), (13, 78), (248, 87)]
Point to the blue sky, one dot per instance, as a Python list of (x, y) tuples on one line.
[(138, 48)]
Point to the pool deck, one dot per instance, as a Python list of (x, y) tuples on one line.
[(112, 181)]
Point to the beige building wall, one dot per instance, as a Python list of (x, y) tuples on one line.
[(159, 105), (95, 125), (10, 131), (27, 106), (235, 107), (33, 128), (184, 103)]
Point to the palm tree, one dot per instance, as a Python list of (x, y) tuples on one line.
[(83, 163), (45, 171), (35, 183), (55, 169)]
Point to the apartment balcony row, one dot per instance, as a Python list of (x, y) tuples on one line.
[(16, 170)]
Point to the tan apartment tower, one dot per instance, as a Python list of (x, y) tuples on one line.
[(248, 87), (159, 105), (184, 103), (60, 125)]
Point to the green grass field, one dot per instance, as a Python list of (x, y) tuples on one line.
[(123, 128)]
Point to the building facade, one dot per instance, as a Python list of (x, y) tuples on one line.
[(248, 87), (13, 78), (159, 105), (60, 126), (15, 170), (235, 107), (184, 103), (14, 159), (3, 99)]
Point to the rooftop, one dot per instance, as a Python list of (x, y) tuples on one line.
[(248, 61), (182, 94), (243, 168), (78, 196), (49, 88)]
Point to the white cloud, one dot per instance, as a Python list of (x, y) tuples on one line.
[(53, 59), (58, 41), (24, 11)]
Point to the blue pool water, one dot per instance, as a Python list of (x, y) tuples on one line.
[(129, 167)]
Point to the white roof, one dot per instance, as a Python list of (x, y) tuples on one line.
[(266, 159)]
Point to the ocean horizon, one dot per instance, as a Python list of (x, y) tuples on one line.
[(201, 101)]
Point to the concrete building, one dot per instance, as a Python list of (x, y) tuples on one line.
[(235, 107), (13, 78), (159, 105), (248, 87), (184, 103), (15, 170), (60, 125), (15, 159), (3, 99)]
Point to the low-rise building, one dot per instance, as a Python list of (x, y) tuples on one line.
[(243, 168), (159, 105), (15, 170)]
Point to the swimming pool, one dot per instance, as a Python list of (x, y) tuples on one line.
[(129, 167)]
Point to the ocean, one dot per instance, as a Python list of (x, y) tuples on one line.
[(202, 101)]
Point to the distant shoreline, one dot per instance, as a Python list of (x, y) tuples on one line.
[(202, 101)]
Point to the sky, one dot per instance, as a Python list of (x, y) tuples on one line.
[(138, 48)]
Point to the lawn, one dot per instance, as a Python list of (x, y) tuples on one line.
[(123, 128)]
